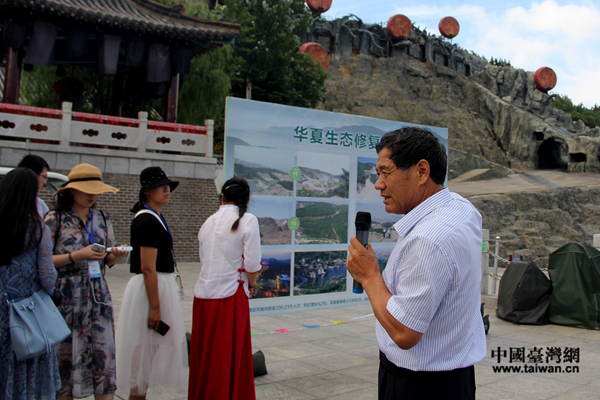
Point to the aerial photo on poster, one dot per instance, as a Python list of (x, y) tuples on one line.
[(366, 176), (318, 272), (382, 223), (266, 170), (273, 215), (310, 172), (274, 279), (322, 222), (323, 175), (383, 255)]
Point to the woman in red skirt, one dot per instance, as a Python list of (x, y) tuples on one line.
[(221, 349)]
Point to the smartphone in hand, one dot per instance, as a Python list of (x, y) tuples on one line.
[(162, 328), (99, 248)]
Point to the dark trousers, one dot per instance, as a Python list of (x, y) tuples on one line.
[(400, 383)]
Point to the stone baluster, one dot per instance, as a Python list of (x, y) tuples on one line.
[(65, 134), (143, 131), (210, 124)]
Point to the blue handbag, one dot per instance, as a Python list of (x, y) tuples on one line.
[(36, 325)]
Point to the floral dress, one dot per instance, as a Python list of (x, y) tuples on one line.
[(86, 359), (36, 378)]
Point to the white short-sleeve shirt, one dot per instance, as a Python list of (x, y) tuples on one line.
[(42, 208), (221, 253), (434, 275)]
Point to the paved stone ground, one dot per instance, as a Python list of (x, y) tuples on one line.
[(341, 361), (526, 182)]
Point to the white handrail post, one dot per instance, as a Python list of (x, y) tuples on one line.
[(210, 132), (143, 131), (65, 133), (496, 264), (485, 261)]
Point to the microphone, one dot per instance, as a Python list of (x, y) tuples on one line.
[(363, 225)]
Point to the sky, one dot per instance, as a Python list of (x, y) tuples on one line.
[(278, 159), (331, 163), (562, 35)]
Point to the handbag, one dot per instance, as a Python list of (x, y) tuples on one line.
[(36, 325)]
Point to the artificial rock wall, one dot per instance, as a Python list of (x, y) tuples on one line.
[(535, 224), (490, 111)]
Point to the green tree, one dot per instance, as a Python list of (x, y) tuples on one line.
[(268, 56), (37, 88), (589, 116), (191, 7), (204, 91), (500, 62)]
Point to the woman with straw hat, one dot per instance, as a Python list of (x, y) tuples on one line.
[(86, 359)]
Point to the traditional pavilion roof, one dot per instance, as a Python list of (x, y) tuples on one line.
[(141, 16)]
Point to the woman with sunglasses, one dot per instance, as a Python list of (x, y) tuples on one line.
[(151, 345), (80, 235), (40, 167)]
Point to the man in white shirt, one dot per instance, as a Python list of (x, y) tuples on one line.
[(38, 165), (427, 300)]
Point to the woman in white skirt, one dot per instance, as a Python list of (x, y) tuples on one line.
[(151, 346)]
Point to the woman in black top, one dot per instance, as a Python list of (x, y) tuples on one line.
[(150, 356)]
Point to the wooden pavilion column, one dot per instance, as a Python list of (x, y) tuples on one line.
[(172, 99), (12, 76)]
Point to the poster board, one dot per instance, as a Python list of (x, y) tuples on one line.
[(310, 172)]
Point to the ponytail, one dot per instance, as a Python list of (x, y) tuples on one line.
[(141, 202), (237, 191)]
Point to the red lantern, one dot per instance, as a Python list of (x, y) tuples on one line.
[(545, 79), (449, 27), (320, 6), (317, 53), (399, 27)]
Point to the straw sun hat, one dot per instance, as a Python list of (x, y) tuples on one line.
[(87, 179)]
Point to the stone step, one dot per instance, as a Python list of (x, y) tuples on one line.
[(468, 175)]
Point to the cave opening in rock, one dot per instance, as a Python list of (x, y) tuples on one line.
[(577, 157), (549, 155), (538, 135)]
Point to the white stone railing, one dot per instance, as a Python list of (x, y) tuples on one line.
[(65, 128)]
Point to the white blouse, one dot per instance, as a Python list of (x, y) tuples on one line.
[(221, 253)]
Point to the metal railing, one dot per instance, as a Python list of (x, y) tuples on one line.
[(485, 266)]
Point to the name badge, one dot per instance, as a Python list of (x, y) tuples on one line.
[(94, 269)]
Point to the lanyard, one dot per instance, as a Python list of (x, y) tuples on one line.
[(89, 233), (161, 218)]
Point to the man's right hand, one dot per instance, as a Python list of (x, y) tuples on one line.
[(364, 268), (362, 263)]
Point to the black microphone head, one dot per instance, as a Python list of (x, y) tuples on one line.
[(363, 221)]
